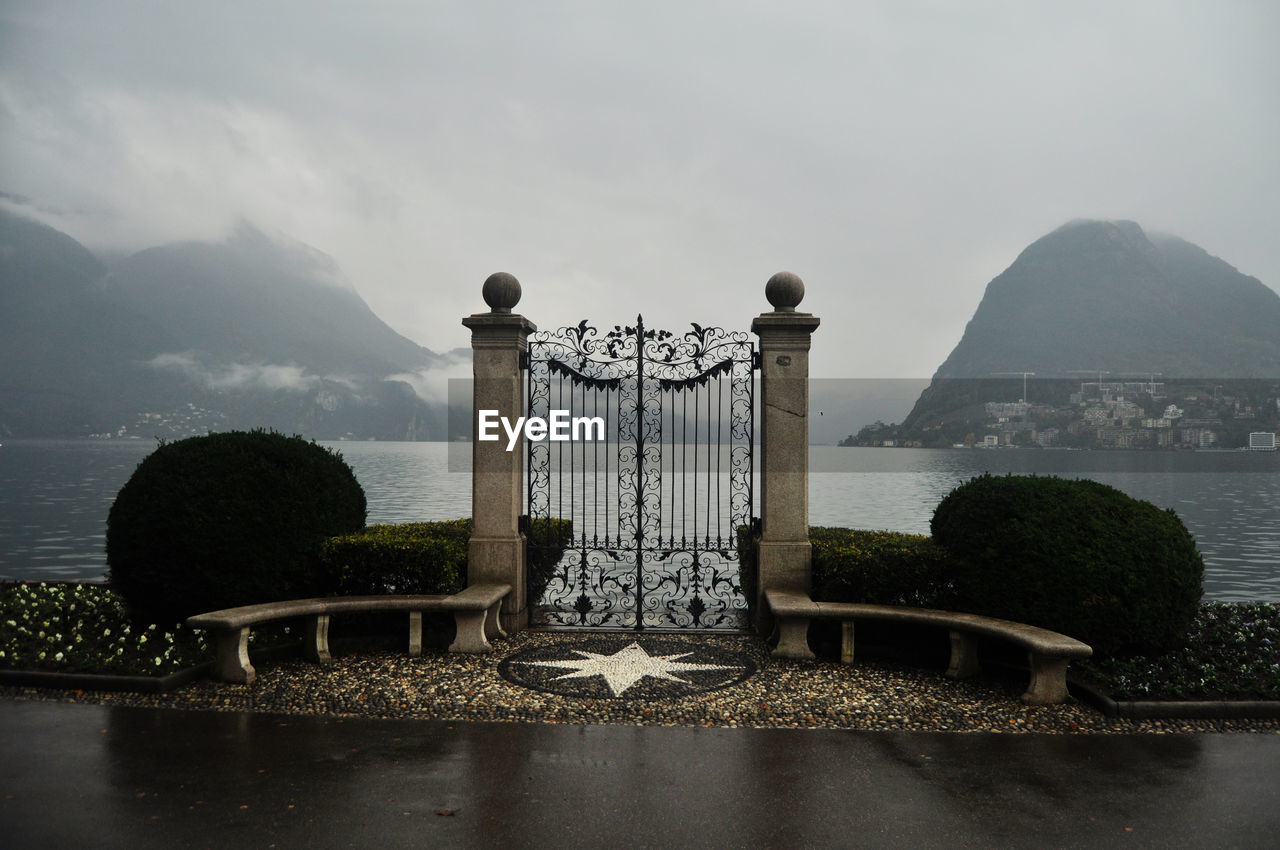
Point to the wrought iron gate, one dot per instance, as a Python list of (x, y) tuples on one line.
[(640, 530)]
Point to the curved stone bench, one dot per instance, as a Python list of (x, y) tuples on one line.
[(1048, 652), (475, 611)]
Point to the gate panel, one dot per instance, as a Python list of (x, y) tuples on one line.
[(656, 506)]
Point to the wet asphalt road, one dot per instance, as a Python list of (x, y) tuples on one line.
[(94, 776)]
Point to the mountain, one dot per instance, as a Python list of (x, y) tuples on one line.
[(1103, 295), (252, 331), (253, 298), (1101, 298), (62, 340)]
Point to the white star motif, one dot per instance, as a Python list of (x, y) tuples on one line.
[(627, 666)]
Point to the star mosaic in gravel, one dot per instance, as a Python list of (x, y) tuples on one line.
[(881, 695), (635, 670)]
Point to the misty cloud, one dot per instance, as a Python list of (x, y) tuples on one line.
[(241, 376), (432, 385), (660, 158)]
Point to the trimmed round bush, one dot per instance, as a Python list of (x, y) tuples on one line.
[(228, 519), (1074, 556)]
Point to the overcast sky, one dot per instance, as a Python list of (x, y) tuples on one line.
[(653, 157)]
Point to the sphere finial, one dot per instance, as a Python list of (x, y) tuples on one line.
[(785, 291), (501, 292)]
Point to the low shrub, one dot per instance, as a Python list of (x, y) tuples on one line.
[(880, 567), (1232, 651), (228, 519), (851, 565), (548, 538), (429, 557), (748, 569), (419, 557), (1075, 556), (86, 628)]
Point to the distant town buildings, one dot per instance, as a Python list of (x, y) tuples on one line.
[(1228, 414), (1262, 441), (188, 421), (998, 410)]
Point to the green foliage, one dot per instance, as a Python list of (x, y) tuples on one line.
[(849, 565), (1074, 556), (548, 538), (420, 557), (881, 567), (1231, 652), (228, 519), (85, 628), (748, 569), (429, 557)]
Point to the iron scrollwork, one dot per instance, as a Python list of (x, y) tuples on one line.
[(656, 511)]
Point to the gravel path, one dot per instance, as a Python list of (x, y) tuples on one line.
[(737, 684)]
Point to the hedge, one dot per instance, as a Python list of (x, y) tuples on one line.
[(428, 557), (881, 567), (413, 558), (852, 565)]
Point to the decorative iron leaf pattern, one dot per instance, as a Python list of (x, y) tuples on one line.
[(656, 507)]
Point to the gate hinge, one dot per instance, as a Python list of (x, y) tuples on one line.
[(524, 360), (756, 360), (523, 524)]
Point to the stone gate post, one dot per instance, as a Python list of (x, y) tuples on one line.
[(783, 557), (496, 552)]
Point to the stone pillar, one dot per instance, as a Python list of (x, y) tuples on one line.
[(783, 557), (496, 552)]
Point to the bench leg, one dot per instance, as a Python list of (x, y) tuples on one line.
[(1048, 680), (793, 638), (964, 656), (470, 632), (415, 632), (315, 644), (846, 642), (492, 623), (231, 661)]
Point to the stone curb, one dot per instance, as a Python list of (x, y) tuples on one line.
[(132, 684), (103, 681), (1175, 709), (1091, 694)]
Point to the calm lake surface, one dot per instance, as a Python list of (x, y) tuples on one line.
[(54, 497)]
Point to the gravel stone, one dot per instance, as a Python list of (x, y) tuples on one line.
[(772, 693)]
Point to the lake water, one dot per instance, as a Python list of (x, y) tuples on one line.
[(54, 497)]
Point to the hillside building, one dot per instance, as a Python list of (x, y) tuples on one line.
[(1262, 441)]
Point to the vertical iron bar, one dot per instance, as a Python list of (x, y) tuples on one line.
[(595, 471), (528, 463), (639, 472), (694, 390), (719, 449), (709, 444), (684, 465), (559, 456), (582, 459), (661, 458), (671, 521)]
